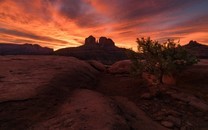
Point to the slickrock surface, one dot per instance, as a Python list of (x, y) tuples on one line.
[(54, 92), (33, 87), (90, 110), (51, 92), (22, 77)]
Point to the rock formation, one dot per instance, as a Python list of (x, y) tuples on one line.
[(200, 50), (25, 49), (90, 41), (106, 42), (121, 67), (97, 65), (104, 51), (103, 42), (194, 43), (51, 92)]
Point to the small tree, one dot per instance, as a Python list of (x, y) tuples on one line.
[(167, 58)]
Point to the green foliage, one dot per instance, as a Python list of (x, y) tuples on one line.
[(160, 59)]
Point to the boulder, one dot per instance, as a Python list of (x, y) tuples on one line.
[(175, 120), (169, 80), (150, 78), (120, 67), (167, 124), (97, 65), (25, 76), (137, 118), (190, 99), (146, 96)]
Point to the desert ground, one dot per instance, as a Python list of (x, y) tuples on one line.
[(55, 92)]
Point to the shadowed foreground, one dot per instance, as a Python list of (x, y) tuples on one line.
[(47, 92)]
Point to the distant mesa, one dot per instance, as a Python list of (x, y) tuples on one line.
[(194, 44), (103, 50), (200, 50), (25, 49)]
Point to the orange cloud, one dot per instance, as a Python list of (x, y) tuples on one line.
[(64, 23)]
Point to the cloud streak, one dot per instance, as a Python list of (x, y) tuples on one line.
[(62, 23)]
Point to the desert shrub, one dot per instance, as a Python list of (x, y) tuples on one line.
[(160, 59)]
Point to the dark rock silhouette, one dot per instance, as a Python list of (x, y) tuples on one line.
[(90, 41), (200, 50), (194, 43), (104, 51), (25, 49), (106, 42)]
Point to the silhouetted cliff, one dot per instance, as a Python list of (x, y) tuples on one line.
[(201, 51), (25, 49), (104, 51)]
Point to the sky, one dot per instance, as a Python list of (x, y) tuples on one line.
[(66, 23)]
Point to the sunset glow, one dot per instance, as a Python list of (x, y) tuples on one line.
[(66, 23)]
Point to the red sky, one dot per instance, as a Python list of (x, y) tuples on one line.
[(66, 23)]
